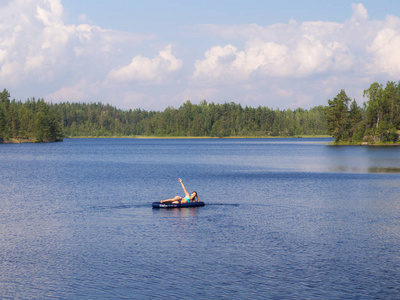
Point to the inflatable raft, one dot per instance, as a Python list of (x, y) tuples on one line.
[(171, 205)]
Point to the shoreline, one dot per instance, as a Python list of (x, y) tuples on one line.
[(378, 144), (25, 141), (17, 141), (197, 137), (33, 141)]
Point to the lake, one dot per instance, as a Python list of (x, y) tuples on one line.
[(284, 219)]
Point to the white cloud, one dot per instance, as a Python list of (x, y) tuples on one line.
[(293, 50), (50, 14), (280, 65), (385, 49), (264, 59), (37, 46), (33, 62), (72, 93), (141, 68), (360, 13), (82, 17), (326, 55), (219, 63), (85, 89)]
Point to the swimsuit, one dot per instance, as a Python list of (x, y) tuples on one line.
[(187, 199)]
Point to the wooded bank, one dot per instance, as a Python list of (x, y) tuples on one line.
[(204, 119), (378, 121), (31, 121)]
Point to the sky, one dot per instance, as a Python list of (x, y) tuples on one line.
[(156, 54)]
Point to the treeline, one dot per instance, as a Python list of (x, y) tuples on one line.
[(33, 120), (204, 119), (37, 121), (378, 121)]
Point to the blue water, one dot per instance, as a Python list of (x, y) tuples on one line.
[(284, 219)]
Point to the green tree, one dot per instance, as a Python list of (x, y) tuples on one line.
[(40, 127), (5, 130), (373, 109), (337, 116)]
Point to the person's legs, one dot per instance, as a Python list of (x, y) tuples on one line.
[(176, 198)]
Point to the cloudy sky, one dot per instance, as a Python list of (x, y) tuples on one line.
[(156, 53)]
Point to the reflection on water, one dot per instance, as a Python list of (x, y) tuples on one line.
[(357, 159), (383, 170), (182, 214), (349, 169)]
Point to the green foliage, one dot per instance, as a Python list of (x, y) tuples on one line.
[(379, 121), (29, 121), (214, 120), (38, 121), (338, 116)]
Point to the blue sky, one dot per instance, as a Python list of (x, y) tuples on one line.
[(154, 54), (122, 14)]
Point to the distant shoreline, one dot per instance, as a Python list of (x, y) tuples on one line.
[(236, 137), (25, 141), (197, 137), (365, 144)]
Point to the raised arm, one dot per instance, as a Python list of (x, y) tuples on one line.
[(184, 189)]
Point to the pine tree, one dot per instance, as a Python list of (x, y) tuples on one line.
[(337, 117)]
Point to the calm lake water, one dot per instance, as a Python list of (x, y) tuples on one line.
[(284, 219)]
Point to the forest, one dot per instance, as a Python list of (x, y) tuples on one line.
[(202, 120), (377, 122), (38, 121), (31, 121)]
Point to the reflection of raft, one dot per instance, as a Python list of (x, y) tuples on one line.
[(171, 205)]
